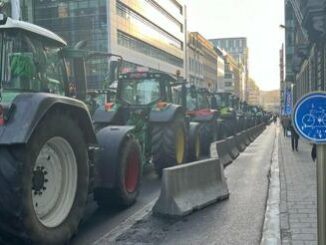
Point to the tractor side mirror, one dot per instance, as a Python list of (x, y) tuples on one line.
[(114, 70), (184, 95)]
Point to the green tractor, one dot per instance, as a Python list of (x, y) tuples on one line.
[(226, 104), (144, 100), (51, 157), (197, 103)]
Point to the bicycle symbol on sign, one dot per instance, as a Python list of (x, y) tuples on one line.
[(315, 119)]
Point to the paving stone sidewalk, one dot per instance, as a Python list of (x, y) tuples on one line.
[(298, 194)]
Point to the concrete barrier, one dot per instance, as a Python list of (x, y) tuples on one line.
[(251, 134), (232, 147), (190, 187), (246, 137), (240, 141), (223, 152)]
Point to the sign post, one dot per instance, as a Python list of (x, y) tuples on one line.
[(309, 117), (321, 193)]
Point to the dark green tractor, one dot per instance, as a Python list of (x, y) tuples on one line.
[(228, 121), (50, 155), (197, 103), (144, 100)]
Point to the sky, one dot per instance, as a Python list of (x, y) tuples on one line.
[(258, 20)]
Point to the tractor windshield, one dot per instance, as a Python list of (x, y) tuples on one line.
[(203, 102), (222, 100), (191, 102), (140, 92), (29, 65)]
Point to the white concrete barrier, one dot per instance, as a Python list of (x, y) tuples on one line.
[(190, 187)]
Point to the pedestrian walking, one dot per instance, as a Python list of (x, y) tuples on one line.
[(285, 125), (314, 152), (294, 137)]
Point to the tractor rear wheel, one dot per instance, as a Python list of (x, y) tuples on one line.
[(126, 188), (169, 144), (44, 185)]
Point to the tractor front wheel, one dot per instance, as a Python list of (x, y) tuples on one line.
[(126, 189)]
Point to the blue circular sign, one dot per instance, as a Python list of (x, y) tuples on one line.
[(309, 117)]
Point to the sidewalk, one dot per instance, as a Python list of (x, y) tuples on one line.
[(298, 194)]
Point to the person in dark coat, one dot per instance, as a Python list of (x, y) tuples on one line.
[(285, 125), (294, 137)]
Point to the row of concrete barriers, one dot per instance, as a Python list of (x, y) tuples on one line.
[(189, 187), (229, 149)]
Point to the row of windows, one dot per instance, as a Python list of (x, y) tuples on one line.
[(228, 84), (209, 69), (147, 49), (230, 43), (171, 5), (166, 19), (195, 66), (146, 26)]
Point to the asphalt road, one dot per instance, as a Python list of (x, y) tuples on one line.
[(238, 220), (98, 222)]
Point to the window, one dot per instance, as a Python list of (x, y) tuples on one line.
[(31, 66), (147, 27), (147, 49), (140, 92)]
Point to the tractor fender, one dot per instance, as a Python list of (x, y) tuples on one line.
[(166, 115), (28, 109), (110, 141), (204, 118), (105, 117)]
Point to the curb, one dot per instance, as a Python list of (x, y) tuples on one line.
[(271, 230)]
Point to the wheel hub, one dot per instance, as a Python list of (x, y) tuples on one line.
[(39, 180), (55, 164)]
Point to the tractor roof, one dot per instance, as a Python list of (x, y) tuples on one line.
[(31, 28), (142, 75)]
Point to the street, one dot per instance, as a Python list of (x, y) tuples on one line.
[(238, 220), (162, 122)]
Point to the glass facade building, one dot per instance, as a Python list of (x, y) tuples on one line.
[(149, 33)]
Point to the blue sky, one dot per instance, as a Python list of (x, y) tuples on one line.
[(258, 20)]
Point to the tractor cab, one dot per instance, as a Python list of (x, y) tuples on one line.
[(92, 76), (195, 100), (226, 104), (144, 89), (31, 60)]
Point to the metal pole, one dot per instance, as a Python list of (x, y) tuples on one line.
[(15, 9), (321, 193)]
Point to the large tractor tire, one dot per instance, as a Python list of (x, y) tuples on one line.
[(194, 147), (208, 134), (128, 176), (44, 184), (169, 143)]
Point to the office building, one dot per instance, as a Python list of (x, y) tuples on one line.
[(237, 47), (305, 36), (202, 60), (148, 33)]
